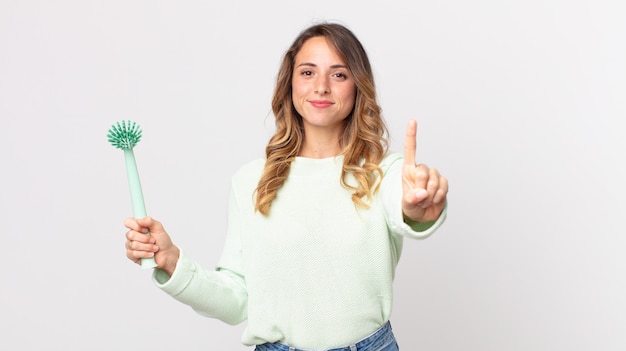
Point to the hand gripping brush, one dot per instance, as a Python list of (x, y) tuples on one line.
[(125, 135)]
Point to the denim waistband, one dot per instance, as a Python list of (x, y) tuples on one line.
[(365, 344)]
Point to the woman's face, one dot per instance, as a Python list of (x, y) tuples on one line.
[(323, 91)]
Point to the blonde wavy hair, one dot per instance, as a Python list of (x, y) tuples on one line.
[(365, 138)]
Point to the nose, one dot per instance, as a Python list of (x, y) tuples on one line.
[(322, 86)]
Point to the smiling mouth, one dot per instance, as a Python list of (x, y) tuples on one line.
[(320, 103)]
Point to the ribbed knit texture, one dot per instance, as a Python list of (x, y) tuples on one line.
[(317, 272)]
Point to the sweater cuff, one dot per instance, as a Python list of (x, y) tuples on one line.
[(418, 226), (176, 283), (417, 230)]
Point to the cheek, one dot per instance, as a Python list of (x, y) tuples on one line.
[(349, 100), (296, 91), (296, 100), (299, 93)]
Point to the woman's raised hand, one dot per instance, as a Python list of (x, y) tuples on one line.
[(158, 244), (424, 190)]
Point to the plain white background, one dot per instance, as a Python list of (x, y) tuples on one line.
[(520, 104)]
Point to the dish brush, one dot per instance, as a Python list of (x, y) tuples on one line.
[(125, 135)]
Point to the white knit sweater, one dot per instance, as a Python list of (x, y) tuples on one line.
[(317, 272)]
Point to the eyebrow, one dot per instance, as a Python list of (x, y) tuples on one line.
[(314, 65)]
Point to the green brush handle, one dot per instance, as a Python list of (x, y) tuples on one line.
[(136, 196)]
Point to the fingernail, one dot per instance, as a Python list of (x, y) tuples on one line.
[(420, 193)]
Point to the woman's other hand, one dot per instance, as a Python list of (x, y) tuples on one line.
[(424, 190)]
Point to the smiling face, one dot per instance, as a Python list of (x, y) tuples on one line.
[(323, 90)]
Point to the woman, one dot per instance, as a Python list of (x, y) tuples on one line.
[(315, 229)]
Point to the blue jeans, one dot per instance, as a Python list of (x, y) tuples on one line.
[(381, 340)]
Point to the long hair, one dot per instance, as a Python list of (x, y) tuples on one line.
[(364, 140)]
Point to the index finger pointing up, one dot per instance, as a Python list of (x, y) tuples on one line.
[(409, 143)]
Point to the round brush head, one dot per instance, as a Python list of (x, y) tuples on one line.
[(124, 135)]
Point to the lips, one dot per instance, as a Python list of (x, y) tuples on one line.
[(320, 103)]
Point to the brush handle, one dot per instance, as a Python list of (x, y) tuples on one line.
[(136, 197)]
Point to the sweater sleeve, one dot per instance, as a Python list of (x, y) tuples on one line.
[(219, 293), (391, 192)]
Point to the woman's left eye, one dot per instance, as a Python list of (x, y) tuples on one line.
[(341, 75)]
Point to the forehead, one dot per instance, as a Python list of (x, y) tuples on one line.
[(318, 49)]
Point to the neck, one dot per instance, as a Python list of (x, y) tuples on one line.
[(320, 143), (320, 152), (320, 148)]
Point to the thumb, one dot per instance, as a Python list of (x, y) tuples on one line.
[(146, 221), (150, 223), (420, 195)]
